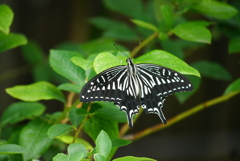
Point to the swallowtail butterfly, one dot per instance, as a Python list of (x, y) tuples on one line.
[(133, 86)]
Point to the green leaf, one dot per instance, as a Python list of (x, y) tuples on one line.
[(32, 53), (34, 139), (11, 40), (168, 60), (36, 91), (105, 60), (95, 124), (212, 70), (192, 31), (11, 149), (127, 158), (167, 17), (81, 62), (115, 29), (61, 63), (233, 87), (19, 111), (215, 9), (58, 130), (74, 117), (68, 139), (145, 25), (111, 112), (70, 87), (77, 148), (61, 157), (234, 45), (99, 157), (120, 142), (81, 111), (6, 18), (100, 45), (133, 8), (103, 144)]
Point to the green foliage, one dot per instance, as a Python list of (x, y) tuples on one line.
[(158, 23), (36, 91), (8, 40)]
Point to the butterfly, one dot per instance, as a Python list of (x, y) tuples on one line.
[(133, 86)]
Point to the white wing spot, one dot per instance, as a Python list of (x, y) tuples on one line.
[(163, 81)]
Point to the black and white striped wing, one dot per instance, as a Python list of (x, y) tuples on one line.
[(158, 82), (106, 86)]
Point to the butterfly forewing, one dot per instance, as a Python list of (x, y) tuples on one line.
[(106, 86), (163, 81)]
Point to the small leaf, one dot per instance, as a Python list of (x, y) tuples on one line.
[(19, 111), (70, 87), (58, 130), (127, 158), (75, 118), (61, 63), (11, 149), (133, 8), (233, 87), (68, 139), (83, 63), (234, 45), (193, 32), (61, 157), (215, 9), (100, 45), (106, 60), (34, 139), (145, 25), (11, 40), (96, 124), (114, 29), (6, 18), (76, 156), (212, 70), (81, 111), (77, 148), (36, 91), (167, 17), (120, 142), (103, 144), (110, 111), (168, 60), (99, 157)]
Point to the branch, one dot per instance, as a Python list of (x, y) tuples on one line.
[(180, 117), (146, 41)]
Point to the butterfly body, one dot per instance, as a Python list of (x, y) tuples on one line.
[(135, 85)]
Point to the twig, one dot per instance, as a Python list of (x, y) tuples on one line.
[(180, 117), (146, 41)]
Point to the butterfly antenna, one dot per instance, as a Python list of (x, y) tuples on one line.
[(120, 50)]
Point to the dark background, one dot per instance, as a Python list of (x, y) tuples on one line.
[(212, 134)]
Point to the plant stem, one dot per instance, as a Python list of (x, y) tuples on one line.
[(146, 41), (181, 116), (81, 126)]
